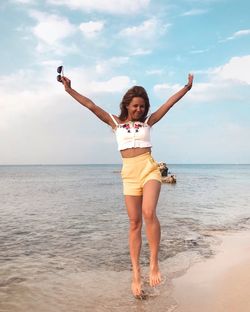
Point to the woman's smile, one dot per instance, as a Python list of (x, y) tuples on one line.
[(136, 108)]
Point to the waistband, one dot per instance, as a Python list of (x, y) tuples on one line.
[(136, 159)]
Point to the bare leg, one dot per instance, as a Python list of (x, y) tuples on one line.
[(134, 209), (151, 193)]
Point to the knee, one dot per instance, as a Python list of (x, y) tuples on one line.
[(135, 225), (149, 216)]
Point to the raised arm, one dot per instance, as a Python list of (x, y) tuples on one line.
[(86, 102), (160, 112)]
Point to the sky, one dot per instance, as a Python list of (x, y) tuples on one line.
[(106, 47)]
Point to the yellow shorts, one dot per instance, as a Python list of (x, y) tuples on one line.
[(136, 171)]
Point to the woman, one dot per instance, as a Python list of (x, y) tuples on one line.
[(140, 173)]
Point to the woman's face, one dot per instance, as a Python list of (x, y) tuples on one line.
[(136, 108)]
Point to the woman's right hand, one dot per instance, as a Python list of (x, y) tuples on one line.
[(190, 81), (66, 82)]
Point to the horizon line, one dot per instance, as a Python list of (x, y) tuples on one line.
[(101, 164)]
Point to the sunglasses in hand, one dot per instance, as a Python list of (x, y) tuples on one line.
[(60, 72)]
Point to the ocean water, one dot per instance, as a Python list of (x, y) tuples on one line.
[(64, 234)]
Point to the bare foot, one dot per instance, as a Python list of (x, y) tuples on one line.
[(136, 284), (154, 276)]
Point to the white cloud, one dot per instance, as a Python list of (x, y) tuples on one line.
[(22, 89), (24, 1), (227, 82), (154, 72), (147, 30), (143, 38), (237, 69), (198, 51), (51, 30), (164, 89), (38, 117), (106, 66), (109, 6), (91, 29), (87, 81), (35, 123), (194, 12), (140, 51), (115, 84), (223, 142), (240, 33), (214, 91)]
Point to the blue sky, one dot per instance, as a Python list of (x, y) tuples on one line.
[(107, 46)]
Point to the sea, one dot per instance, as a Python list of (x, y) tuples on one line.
[(64, 234)]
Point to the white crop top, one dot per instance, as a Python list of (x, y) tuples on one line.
[(132, 134)]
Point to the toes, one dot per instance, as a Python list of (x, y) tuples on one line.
[(151, 282), (136, 290), (141, 296), (154, 281), (158, 280)]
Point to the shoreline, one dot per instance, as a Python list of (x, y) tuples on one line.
[(220, 283)]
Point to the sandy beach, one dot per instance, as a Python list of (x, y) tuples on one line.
[(220, 283)]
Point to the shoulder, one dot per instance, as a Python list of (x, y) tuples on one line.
[(116, 118), (147, 120), (116, 121)]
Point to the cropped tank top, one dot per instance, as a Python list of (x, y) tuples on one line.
[(132, 134)]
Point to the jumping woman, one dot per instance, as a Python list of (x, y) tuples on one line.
[(140, 173)]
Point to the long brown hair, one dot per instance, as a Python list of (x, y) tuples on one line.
[(135, 91)]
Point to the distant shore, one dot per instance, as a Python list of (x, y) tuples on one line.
[(220, 283)]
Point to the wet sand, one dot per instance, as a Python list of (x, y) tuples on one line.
[(219, 284)]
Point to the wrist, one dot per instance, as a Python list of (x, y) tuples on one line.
[(68, 89), (188, 87)]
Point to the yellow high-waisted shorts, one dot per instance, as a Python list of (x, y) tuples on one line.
[(136, 171)]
